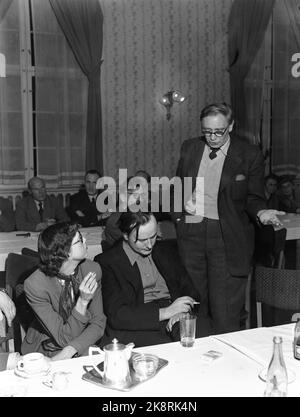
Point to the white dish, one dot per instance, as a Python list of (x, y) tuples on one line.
[(291, 375), (24, 374)]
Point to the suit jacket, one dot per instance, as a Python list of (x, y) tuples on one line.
[(7, 216), (129, 319), (42, 294), (80, 201), (27, 214), (240, 196)]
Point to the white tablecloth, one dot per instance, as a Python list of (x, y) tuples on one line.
[(245, 354)]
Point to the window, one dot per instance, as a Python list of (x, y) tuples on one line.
[(43, 100)]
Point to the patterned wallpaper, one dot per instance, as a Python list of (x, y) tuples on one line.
[(149, 48)]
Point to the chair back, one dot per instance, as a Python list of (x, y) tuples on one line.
[(269, 246), (30, 252), (278, 288), (268, 252), (17, 269)]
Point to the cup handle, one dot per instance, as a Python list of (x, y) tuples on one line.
[(92, 350), (48, 383), (20, 365)]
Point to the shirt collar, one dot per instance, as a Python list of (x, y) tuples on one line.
[(223, 148), (132, 255)]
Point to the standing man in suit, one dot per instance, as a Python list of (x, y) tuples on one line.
[(216, 245), (37, 211), (145, 288), (82, 208)]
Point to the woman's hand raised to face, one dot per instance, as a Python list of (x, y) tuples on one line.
[(88, 286)]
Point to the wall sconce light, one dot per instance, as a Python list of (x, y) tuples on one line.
[(170, 98)]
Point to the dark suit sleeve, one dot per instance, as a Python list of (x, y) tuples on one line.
[(22, 222), (7, 217), (167, 259), (256, 199), (60, 213), (123, 306)]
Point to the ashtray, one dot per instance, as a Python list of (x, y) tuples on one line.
[(146, 369), (145, 365)]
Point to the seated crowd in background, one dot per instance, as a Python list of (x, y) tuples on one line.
[(280, 193), (37, 210)]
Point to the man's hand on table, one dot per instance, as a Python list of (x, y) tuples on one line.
[(270, 217)]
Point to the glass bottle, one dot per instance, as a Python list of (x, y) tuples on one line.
[(297, 340), (277, 380)]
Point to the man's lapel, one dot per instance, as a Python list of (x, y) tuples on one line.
[(232, 162), (130, 272)]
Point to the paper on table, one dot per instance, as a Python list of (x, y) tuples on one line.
[(257, 344)]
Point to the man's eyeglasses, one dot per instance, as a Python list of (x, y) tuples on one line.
[(218, 132), (79, 240)]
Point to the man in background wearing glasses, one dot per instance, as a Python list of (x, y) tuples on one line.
[(216, 245)]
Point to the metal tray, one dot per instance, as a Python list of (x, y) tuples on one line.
[(92, 376)]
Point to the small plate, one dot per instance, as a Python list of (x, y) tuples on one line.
[(291, 375), (24, 374)]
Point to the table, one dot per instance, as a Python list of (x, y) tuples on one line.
[(245, 354), (11, 242)]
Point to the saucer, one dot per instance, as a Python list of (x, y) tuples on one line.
[(291, 375), (24, 374)]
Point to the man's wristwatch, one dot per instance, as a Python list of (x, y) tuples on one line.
[(4, 290)]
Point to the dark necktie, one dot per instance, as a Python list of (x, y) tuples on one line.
[(41, 210), (213, 153), (66, 300)]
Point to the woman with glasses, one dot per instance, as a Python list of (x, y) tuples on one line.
[(65, 295)]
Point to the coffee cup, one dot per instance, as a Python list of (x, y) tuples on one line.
[(32, 363), (59, 381)]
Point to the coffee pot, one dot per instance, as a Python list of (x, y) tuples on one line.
[(116, 373)]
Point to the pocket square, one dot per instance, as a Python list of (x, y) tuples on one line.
[(240, 177)]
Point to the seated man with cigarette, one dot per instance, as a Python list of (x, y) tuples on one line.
[(145, 288)]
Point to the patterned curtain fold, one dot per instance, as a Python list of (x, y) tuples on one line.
[(82, 24), (247, 24), (292, 7), (4, 6)]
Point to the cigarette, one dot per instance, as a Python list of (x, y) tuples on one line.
[(196, 302)]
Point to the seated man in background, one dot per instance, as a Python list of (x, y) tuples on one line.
[(82, 208), (144, 286), (136, 196), (287, 200), (7, 307), (37, 211), (7, 216), (270, 187)]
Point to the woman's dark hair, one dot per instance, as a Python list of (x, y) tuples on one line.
[(130, 221), (54, 246), (217, 108)]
